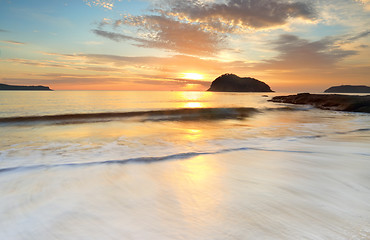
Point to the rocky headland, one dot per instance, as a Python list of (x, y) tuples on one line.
[(233, 83), (337, 102), (24, 88), (348, 89)]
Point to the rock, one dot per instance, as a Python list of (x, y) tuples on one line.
[(348, 89), (335, 102), (233, 83), (24, 88)]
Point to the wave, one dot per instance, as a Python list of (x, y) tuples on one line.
[(290, 108), (146, 160), (354, 131), (183, 114)]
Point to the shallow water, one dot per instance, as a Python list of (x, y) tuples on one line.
[(268, 171)]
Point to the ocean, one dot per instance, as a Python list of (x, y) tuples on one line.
[(180, 165)]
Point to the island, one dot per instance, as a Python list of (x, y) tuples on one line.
[(233, 83), (337, 102), (348, 89), (23, 88)]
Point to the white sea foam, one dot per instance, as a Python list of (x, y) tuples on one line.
[(243, 195)]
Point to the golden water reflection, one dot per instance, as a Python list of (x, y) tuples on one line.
[(192, 134), (192, 99), (193, 105), (196, 186), (191, 96)]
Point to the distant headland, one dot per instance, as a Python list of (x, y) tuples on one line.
[(335, 102), (233, 83), (348, 89), (23, 88)]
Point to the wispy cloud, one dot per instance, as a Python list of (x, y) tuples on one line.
[(63, 80), (363, 46), (93, 43), (116, 36), (74, 63), (166, 33), (43, 63), (170, 65), (13, 42), (295, 52), (108, 4), (359, 36)]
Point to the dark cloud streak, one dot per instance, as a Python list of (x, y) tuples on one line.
[(116, 36), (13, 42), (359, 36), (298, 53)]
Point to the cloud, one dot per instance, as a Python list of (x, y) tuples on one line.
[(115, 36), (202, 28), (241, 14), (154, 79), (298, 53), (64, 64), (350, 39), (55, 80), (135, 69), (13, 42), (3, 30), (359, 36), (35, 62), (365, 3), (92, 43), (108, 4), (169, 65), (166, 33), (166, 67)]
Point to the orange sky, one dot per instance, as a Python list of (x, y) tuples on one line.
[(293, 46)]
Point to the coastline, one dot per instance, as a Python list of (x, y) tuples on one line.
[(6, 87), (336, 102)]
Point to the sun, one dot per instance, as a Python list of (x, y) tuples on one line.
[(192, 76)]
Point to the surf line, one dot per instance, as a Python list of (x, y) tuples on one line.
[(146, 160)]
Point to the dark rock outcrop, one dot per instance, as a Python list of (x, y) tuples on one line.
[(335, 102), (348, 89), (24, 88), (233, 83)]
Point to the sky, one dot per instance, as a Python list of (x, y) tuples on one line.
[(292, 45)]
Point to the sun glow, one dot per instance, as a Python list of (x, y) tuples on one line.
[(192, 76), (193, 105)]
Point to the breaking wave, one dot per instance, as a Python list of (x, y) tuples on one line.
[(184, 114)]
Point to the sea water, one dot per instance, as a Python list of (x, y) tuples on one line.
[(180, 165)]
